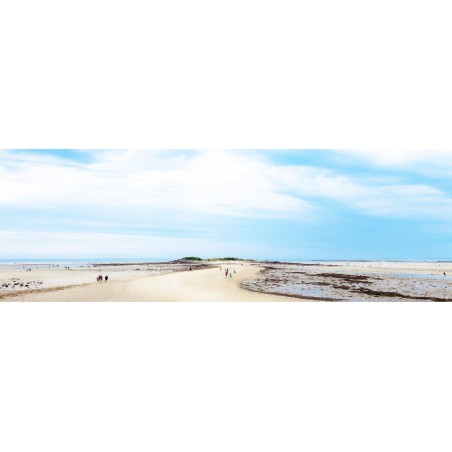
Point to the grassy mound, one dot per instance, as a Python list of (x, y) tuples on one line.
[(238, 259)]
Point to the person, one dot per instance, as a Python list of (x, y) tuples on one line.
[(190, 268), (230, 274), (106, 278)]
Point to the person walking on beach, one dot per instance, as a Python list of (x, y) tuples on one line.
[(106, 278), (226, 273)]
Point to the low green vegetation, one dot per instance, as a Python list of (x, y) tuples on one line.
[(230, 259), (226, 259)]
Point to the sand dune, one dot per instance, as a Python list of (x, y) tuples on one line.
[(199, 285)]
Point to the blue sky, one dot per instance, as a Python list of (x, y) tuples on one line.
[(264, 204)]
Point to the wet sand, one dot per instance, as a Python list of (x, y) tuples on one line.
[(357, 281)]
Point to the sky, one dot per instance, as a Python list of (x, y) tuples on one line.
[(263, 204)]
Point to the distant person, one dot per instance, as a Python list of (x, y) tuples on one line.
[(106, 278), (190, 268), (230, 274)]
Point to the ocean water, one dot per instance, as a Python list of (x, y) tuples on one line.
[(73, 263), (423, 276), (118, 260), (404, 261)]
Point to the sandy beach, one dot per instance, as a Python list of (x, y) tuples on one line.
[(134, 283), (251, 281)]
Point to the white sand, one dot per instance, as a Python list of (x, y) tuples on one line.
[(199, 285), (139, 283)]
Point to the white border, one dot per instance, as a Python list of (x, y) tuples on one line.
[(245, 74)]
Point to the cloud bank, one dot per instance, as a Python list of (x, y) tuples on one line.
[(180, 196)]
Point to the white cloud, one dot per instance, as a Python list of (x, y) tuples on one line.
[(33, 244), (131, 186), (221, 183), (410, 201), (403, 157), (375, 196)]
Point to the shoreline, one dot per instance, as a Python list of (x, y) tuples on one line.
[(201, 284), (269, 280)]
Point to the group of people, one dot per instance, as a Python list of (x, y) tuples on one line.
[(102, 278), (228, 272)]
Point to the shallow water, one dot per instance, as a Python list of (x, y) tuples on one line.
[(423, 276), (306, 290)]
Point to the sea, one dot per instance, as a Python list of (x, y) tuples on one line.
[(73, 263)]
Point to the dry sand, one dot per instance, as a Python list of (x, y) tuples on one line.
[(265, 281), (132, 285)]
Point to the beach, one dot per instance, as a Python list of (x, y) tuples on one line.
[(140, 282), (251, 281), (357, 280)]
